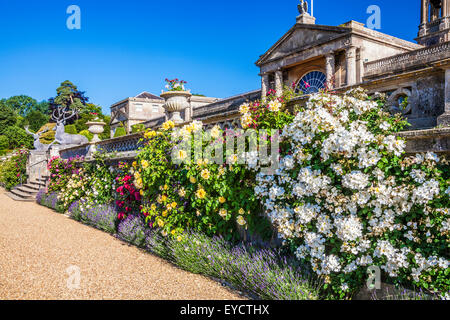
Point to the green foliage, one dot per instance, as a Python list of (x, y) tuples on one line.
[(35, 119), (49, 136), (8, 118), (120, 132), (13, 170), (202, 196), (71, 129), (137, 128), (4, 143), (87, 134), (22, 105), (18, 138)]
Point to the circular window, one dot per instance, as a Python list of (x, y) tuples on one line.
[(311, 82)]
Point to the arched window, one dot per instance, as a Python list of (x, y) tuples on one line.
[(311, 82)]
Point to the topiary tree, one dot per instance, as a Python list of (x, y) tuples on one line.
[(87, 134), (71, 129), (120, 132), (137, 128)]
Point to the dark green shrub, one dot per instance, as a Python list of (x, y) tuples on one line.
[(120, 132), (71, 129), (137, 128), (87, 134)]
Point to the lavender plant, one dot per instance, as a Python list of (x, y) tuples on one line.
[(49, 200), (101, 216), (132, 230), (266, 273)]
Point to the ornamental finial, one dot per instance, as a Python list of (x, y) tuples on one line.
[(303, 7)]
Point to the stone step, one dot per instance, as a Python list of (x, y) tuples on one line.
[(27, 189), (34, 187), (36, 184), (22, 194), (17, 198)]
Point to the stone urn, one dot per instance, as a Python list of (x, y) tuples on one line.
[(96, 128), (176, 102)]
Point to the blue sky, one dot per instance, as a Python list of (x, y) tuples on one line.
[(126, 47)]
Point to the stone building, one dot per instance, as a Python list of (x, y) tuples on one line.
[(414, 75), (135, 110), (148, 108)]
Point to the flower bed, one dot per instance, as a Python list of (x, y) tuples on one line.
[(345, 198)]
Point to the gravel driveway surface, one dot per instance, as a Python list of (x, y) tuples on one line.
[(41, 252)]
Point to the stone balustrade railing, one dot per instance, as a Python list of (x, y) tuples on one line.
[(416, 58)]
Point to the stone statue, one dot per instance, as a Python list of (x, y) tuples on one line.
[(64, 138), (60, 116), (303, 7), (38, 145)]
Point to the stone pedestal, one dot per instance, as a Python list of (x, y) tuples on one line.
[(37, 165), (176, 102), (305, 18)]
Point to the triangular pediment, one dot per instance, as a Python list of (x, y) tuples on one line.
[(301, 37)]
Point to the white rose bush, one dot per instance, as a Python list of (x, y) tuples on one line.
[(346, 196)]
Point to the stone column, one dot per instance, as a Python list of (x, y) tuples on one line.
[(264, 85), (444, 119), (351, 66), (330, 63), (424, 12), (279, 82)]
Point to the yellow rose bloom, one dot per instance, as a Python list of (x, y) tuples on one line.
[(166, 187), (201, 194), (173, 232), (144, 164), (153, 207), (215, 132), (192, 179), (134, 164), (160, 223), (245, 108), (163, 198), (222, 200), (205, 174), (223, 213), (221, 171), (168, 125), (241, 221), (141, 192), (241, 211), (179, 238), (174, 205), (182, 193), (164, 214)]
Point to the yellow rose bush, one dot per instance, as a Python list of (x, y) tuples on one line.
[(200, 195)]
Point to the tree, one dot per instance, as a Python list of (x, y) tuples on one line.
[(22, 104), (18, 138), (68, 97), (36, 119), (4, 144), (8, 117)]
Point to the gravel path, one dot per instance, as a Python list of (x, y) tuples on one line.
[(37, 246)]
